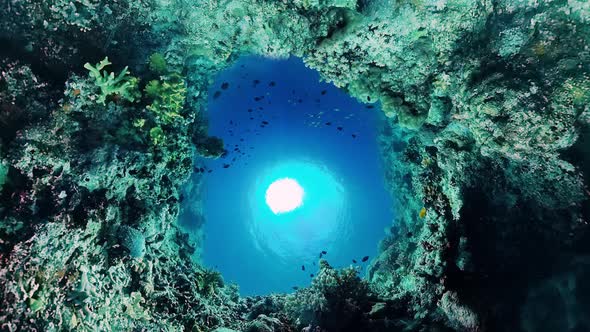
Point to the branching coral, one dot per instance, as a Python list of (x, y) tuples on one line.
[(121, 85), (335, 300), (209, 281), (168, 97), (133, 240)]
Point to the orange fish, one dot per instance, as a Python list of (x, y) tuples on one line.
[(422, 213)]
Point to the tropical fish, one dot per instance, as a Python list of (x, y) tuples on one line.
[(366, 258), (224, 85), (354, 261), (422, 213), (302, 267)]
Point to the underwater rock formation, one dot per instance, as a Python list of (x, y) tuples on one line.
[(486, 148)]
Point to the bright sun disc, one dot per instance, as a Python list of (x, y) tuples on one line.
[(284, 195)]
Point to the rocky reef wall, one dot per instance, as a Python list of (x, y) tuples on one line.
[(486, 148)]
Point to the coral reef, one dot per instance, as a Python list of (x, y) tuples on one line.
[(485, 143)]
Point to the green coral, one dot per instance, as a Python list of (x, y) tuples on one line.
[(3, 173), (109, 84), (157, 63), (209, 281), (157, 135), (169, 95)]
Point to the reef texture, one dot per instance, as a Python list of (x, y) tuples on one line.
[(486, 145)]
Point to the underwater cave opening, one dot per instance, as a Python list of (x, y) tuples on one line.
[(302, 178)]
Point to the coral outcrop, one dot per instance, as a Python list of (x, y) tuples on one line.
[(486, 143)]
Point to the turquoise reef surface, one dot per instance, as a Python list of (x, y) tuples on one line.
[(486, 147)]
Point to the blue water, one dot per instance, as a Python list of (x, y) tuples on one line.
[(345, 207)]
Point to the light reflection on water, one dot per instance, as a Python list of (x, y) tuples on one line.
[(322, 220)]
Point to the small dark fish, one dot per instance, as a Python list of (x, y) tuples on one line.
[(251, 118), (339, 128), (257, 98), (224, 85), (353, 135), (236, 149), (295, 287), (324, 252), (368, 98), (354, 261), (231, 122), (324, 92), (249, 110), (311, 275), (366, 258), (241, 139), (302, 267), (202, 170), (409, 234), (226, 165), (300, 100), (216, 94), (370, 106), (272, 83), (260, 108), (210, 171), (328, 123), (265, 122), (255, 82)]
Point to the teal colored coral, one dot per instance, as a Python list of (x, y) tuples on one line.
[(122, 85), (3, 173), (133, 240)]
